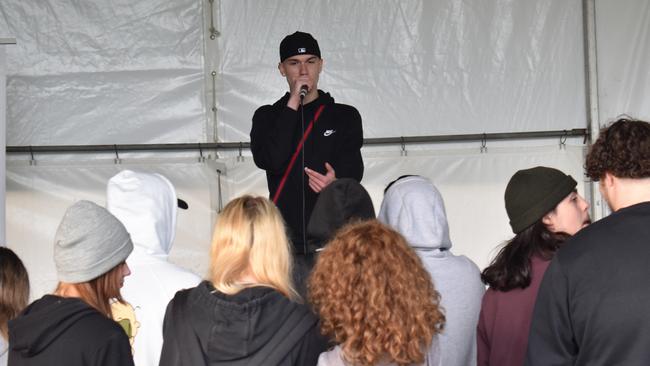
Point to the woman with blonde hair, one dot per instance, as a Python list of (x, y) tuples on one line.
[(14, 294), (375, 300), (247, 312), (74, 326)]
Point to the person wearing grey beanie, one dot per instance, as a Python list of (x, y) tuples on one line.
[(73, 326), (544, 209)]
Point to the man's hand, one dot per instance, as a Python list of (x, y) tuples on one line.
[(318, 181)]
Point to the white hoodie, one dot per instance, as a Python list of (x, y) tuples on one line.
[(414, 207), (147, 206)]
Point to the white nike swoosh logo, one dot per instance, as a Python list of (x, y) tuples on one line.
[(328, 132)]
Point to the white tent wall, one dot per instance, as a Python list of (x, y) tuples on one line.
[(418, 67), (623, 44), (124, 72)]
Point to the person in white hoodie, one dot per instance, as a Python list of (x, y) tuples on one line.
[(413, 206), (146, 203)]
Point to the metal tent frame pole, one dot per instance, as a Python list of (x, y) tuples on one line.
[(483, 137), (599, 208)]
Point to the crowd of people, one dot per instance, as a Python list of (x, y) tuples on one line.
[(317, 279)]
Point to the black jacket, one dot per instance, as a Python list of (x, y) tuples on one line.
[(257, 326), (336, 138), (592, 306), (66, 331)]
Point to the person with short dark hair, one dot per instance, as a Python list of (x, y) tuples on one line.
[(74, 326), (332, 148), (592, 306), (544, 210), (14, 295)]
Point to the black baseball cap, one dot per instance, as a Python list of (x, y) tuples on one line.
[(298, 43)]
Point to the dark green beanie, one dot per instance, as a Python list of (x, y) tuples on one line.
[(532, 193)]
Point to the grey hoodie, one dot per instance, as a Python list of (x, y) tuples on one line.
[(414, 207)]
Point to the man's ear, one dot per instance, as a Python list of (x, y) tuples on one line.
[(608, 179), (281, 68)]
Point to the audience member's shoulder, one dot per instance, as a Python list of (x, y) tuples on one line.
[(468, 263)]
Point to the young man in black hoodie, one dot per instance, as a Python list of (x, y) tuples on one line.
[(332, 148), (592, 305)]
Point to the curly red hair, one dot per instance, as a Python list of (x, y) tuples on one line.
[(374, 296)]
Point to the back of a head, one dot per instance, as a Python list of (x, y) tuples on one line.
[(146, 204), (413, 206), (14, 287), (250, 240), (89, 245), (374, 296), (622, 149), (343, 201)]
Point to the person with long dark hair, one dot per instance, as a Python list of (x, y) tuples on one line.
[(14, 295), (74, 326), (544, 210)]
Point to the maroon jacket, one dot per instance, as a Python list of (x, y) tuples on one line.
[(503, 325)]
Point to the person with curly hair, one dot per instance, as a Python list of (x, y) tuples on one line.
[(544, 209), (14, 295), (592, 307), (375, 299), (247, 313)]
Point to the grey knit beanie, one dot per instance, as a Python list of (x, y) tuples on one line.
[(89, 242), (532, 193)]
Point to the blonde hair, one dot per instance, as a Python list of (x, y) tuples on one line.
[(250, 239)]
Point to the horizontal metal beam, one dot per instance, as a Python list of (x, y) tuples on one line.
[(576, 132), (7, 40)]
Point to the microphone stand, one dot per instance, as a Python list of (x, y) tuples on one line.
[(302, 174)]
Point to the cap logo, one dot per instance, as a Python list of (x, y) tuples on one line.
[(302, 50)]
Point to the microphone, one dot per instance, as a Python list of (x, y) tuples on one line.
[(303, 92)]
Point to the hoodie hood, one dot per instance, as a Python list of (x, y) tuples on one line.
[(414, 207), (146, 204), (241, 325), (340, 202), (44, 321)]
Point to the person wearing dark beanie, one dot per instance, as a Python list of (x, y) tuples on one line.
[(297, 172), (544, 211)]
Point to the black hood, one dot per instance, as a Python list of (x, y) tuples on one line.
[(341, 202), (44, 321), (243, 324)]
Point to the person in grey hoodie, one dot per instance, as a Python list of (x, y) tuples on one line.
[(413, 206)]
